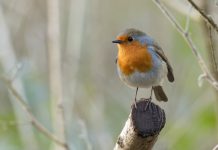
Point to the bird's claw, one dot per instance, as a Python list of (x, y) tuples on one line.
[(149, 100), (135, 103)]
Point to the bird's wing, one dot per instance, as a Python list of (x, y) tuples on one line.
[(160, 52)]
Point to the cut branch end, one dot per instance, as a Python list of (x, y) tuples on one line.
[(142, 127)]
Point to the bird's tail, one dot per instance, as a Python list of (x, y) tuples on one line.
[(160, 94)]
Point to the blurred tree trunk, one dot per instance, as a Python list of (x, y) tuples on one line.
[(74, 31), (55, 71), (8, 61), (210, 43), (210, 39)]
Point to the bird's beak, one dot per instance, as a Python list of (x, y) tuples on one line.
[(117, 41)]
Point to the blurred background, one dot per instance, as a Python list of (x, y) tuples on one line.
[(96, 102)]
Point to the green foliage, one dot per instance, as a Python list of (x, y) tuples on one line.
[(8, 131)]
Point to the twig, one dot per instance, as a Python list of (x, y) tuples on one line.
[(189, 41), (206, 18), (212, 48), (187, 25), (32, 118)]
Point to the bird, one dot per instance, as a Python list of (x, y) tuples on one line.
[(141, 63)]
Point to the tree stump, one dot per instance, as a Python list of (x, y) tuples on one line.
[(142, 127)]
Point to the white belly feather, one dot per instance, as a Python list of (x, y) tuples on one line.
[(145, 80)]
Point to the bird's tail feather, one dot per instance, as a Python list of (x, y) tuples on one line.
[(160, 94)]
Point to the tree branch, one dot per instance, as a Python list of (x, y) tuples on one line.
[(189, 41), (32, 118), (211, 43), (206, 18), (216, 147), (55, 72), (142, 127)]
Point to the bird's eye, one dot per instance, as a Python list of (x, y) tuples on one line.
[(130, 39)]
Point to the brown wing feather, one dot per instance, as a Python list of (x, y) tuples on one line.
[(160, 52)]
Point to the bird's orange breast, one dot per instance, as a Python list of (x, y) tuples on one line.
[(133, 57)]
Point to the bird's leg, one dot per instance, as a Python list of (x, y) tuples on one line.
[(136, 96), (151, 93), (149, 99)]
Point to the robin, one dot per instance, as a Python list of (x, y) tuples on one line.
[(141, 63)]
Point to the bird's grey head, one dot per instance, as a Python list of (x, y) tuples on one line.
[(132, 34)]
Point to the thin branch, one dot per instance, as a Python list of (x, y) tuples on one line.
[(187, 25), (189, 41), (32, 118), (84, 135), (55, 71), (206, 18), (212, 48)]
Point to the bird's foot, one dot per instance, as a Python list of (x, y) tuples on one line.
[(148, 103)]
